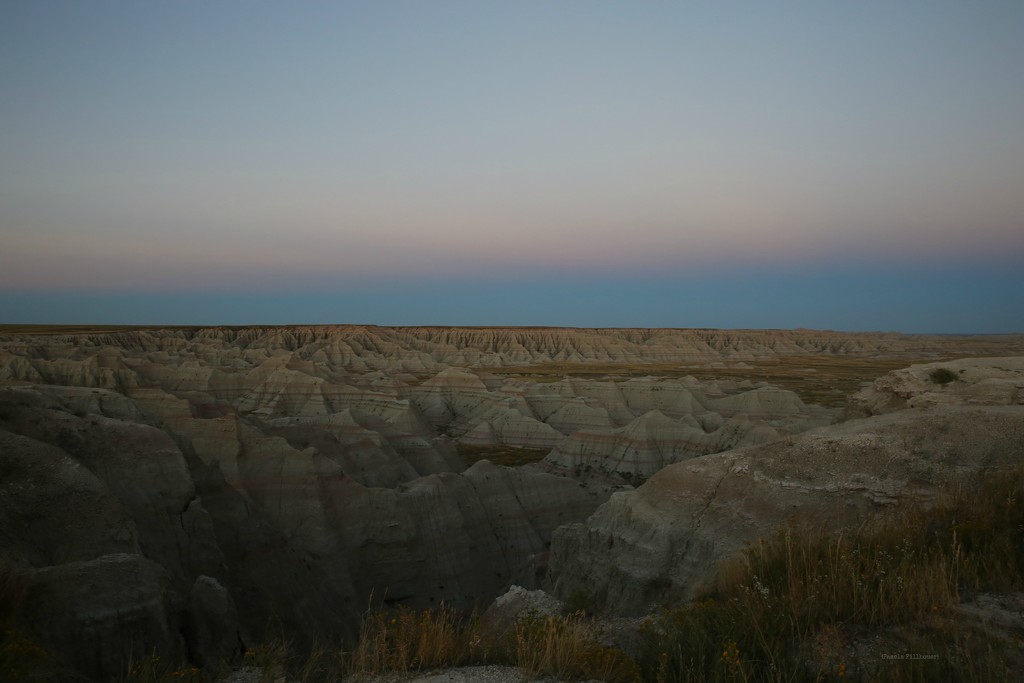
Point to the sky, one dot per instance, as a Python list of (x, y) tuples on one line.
[(831, 165)]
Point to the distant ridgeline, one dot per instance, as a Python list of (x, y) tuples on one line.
[(420, 349)]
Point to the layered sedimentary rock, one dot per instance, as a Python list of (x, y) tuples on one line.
[(460, 539), (968, 381), (666, 538), (180, 489), (118, 512), (668, 421), (422, 350), (459, 402), (649, 443)]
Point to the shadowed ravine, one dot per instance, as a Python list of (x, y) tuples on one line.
[(191, 491)]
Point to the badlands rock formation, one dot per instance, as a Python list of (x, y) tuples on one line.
[(968, 381), (116, 523), (420, 350), (182, 490), (665, 539), (669, 422)]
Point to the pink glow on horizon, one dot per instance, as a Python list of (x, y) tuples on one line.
[(488, 140), (292, 260)]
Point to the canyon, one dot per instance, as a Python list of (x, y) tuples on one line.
[(188, 490)]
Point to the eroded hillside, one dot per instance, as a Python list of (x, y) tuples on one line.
[(296, 475)]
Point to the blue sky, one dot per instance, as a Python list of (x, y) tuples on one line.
[(841, 165)]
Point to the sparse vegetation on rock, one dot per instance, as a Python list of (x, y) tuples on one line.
[(942, 376), (807, 605)]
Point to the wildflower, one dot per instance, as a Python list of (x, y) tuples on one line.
[(731, 654)]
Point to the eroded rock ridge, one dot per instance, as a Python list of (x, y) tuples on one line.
[(184, 490)]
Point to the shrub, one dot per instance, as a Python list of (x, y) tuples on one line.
[(580, 602), (942, 376)]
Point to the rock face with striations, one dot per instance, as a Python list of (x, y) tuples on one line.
[(666, 538), (120, 527), (178, 490), (649, 443), (669, 422)]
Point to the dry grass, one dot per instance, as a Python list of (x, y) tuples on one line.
[(563, 647), (794, 606), (406, 640), (153, 669)]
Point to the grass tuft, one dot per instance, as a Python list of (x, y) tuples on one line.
[(558, 646), (564, 647), (405, 640)]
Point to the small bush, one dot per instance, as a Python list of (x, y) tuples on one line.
[(942, 376), (21, 658), (580, 602)]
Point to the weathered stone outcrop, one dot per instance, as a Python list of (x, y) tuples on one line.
[(188, 535), (103, 613), (101, 518), (213, 635), (968, 381), (649, 443), (653, 440), (457, 539), (666, 538)]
